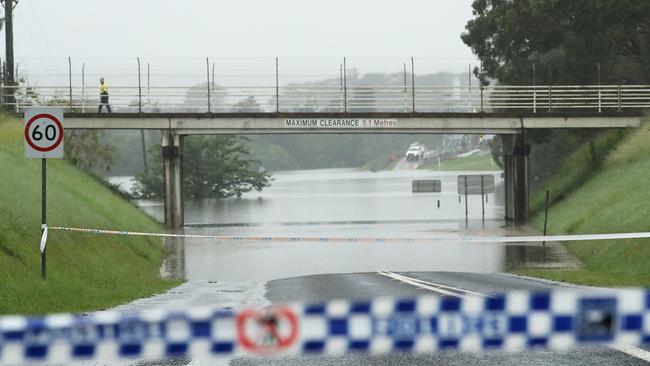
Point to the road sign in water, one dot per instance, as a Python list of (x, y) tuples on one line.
[(476, 184), (426, 186)]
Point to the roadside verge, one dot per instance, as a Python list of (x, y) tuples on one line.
[(85, 272), (613, 198)]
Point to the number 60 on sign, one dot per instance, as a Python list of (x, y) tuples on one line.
[(44, 133)]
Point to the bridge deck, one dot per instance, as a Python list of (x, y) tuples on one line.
[(378, 122)]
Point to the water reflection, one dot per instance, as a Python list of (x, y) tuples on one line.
[(174, 264), (341, 203)]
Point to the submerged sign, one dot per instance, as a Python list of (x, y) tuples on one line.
[(339, 123), (476, 184), (426, 186)]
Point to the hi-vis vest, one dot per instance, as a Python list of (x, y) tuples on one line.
[(103, 88)]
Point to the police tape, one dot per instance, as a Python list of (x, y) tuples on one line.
[(516, 321), (327, 239)]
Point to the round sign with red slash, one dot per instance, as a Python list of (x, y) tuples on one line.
[(267, 331), (44, 133)]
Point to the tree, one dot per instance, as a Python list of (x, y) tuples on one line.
[(85, 149), (557, 42), (564, 40), (213, 167)]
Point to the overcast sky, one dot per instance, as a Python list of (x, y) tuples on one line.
[(376, 35)]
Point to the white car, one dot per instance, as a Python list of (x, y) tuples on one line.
[(415, 152)]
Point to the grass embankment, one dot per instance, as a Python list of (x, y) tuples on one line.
[(467, 163), (84, 272), (613, 197)]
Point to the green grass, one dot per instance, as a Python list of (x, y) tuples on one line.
[(84, 272), (474, 162), (615, 198), (578, 168)]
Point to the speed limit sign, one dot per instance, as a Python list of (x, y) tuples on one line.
[(44, 133)]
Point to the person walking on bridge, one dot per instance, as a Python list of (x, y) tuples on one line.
[(103, 96)]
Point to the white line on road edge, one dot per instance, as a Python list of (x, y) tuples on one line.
[(435, 287), (463, 239), (633, 351)]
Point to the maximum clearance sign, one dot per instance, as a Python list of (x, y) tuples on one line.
[(44, 133), (342, 123)]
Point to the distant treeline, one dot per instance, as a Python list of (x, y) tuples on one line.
[(290, 152)]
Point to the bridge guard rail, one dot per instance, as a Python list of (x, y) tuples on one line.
[(133, 99)]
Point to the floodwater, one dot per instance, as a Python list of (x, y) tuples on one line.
[(342, 203)]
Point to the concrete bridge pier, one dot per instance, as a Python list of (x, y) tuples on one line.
[(173, 178), (515, 174)]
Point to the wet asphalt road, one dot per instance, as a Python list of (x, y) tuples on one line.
[(363, 286)]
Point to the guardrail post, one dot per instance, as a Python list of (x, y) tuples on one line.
[(413, 82), (481, 98), (469, 81), (550, 89), (341, 87), (8, 85), (482, 199), (83, 87), (619, 95), (277, 87), (466, 207), (139, 88), (345, 86), (534, 91), (17, 88), (207, 69), (548, 193), (600, 109), (70, 80), (405, 91)]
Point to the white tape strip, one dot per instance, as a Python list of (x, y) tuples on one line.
[(43, 237), (465, 239)]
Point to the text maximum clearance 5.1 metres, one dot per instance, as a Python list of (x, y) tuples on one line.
[(339, 123)]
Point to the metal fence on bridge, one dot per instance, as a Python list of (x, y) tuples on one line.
[(216, 99)]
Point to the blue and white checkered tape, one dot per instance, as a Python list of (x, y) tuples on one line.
[(515, 321)]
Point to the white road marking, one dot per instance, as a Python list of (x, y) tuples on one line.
[(457, 289), (633, 351), (434, 287)]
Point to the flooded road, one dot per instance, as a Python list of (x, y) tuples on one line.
[(340, 203), (355, 204)]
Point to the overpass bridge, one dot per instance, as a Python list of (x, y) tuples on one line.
[(351, 122), (509, 111)]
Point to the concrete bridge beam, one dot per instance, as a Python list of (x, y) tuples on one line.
[(173, 178)]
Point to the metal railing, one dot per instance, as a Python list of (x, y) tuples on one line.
[(215, 99)]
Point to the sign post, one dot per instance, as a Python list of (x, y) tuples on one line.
[(43, 214), (44, 140)]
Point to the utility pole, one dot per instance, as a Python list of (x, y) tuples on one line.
[(9, 46)]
